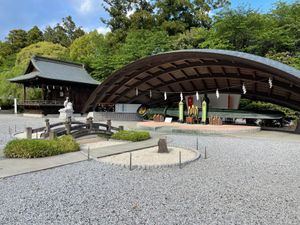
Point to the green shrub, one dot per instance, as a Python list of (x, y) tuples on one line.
[(26, 148), (131, 135)]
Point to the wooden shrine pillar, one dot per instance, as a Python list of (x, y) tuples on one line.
[(43, 92), (24, 93)]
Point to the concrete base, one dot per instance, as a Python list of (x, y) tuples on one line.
[(104, 116), (65, 115), (196, 128)]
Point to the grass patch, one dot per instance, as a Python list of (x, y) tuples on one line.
[(31, 148), (131, 135)]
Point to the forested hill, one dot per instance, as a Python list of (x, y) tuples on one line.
[(140, 28)]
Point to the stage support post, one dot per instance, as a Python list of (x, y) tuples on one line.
[(181, 112), (15, 106)]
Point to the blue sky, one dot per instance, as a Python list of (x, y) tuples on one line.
[(24, 14)]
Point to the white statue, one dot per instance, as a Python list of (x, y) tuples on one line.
[(67, 111), (66, 102)]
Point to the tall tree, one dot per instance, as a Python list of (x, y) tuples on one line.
[(142, 16), (17, 39), (90, 48), (34, 35), (5, 54), (118, 11), (63, 33), (178, 15)]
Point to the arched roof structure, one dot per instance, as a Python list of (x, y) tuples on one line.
[(202, 70)]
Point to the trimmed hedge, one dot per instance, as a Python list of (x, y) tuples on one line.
[(131, 135), (31, 148)]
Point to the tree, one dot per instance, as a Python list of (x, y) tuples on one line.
[(118, 11), (186, 13), (5, 52), (141, 43), (63, 33), (190, 38), (17, 39), (34, 35), (46, 49), (71, 29), (286, 17), (286, 58), (142, 16), (89, 48)]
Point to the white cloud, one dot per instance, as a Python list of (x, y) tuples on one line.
[(103, 30), (86, 6), (100, 30)]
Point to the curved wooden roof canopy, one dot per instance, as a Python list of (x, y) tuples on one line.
[(202, 70)]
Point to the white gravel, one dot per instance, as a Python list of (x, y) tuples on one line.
[(151, 157), (243, 181)]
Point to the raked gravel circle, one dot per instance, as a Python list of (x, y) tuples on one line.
[(243, 181)]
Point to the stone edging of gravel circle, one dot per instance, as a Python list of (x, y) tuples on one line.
[(144, 167)]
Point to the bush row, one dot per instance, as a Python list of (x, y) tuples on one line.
[(31, 148), (131, 135)]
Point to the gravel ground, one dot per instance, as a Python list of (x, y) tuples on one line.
[(243, 181)]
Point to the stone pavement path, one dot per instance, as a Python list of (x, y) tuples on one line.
[(12, 167)]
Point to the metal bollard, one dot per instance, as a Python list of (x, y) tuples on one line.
[(89, 158), (205, 154), (180, 159), (130, 161)]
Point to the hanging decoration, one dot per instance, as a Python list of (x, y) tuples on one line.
[(217, 93), (270, 82), (244, 89), (136, 91), (150, 94), (165, 95), (181, 96), (47, 87), (197, 96)]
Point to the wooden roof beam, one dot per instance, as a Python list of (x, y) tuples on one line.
[(223, 70), (216, 83), (182, 87), (209, 70), (172, 76), (184, 73), (175, 68), (204, 84), (229, 76), (193, 85)]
